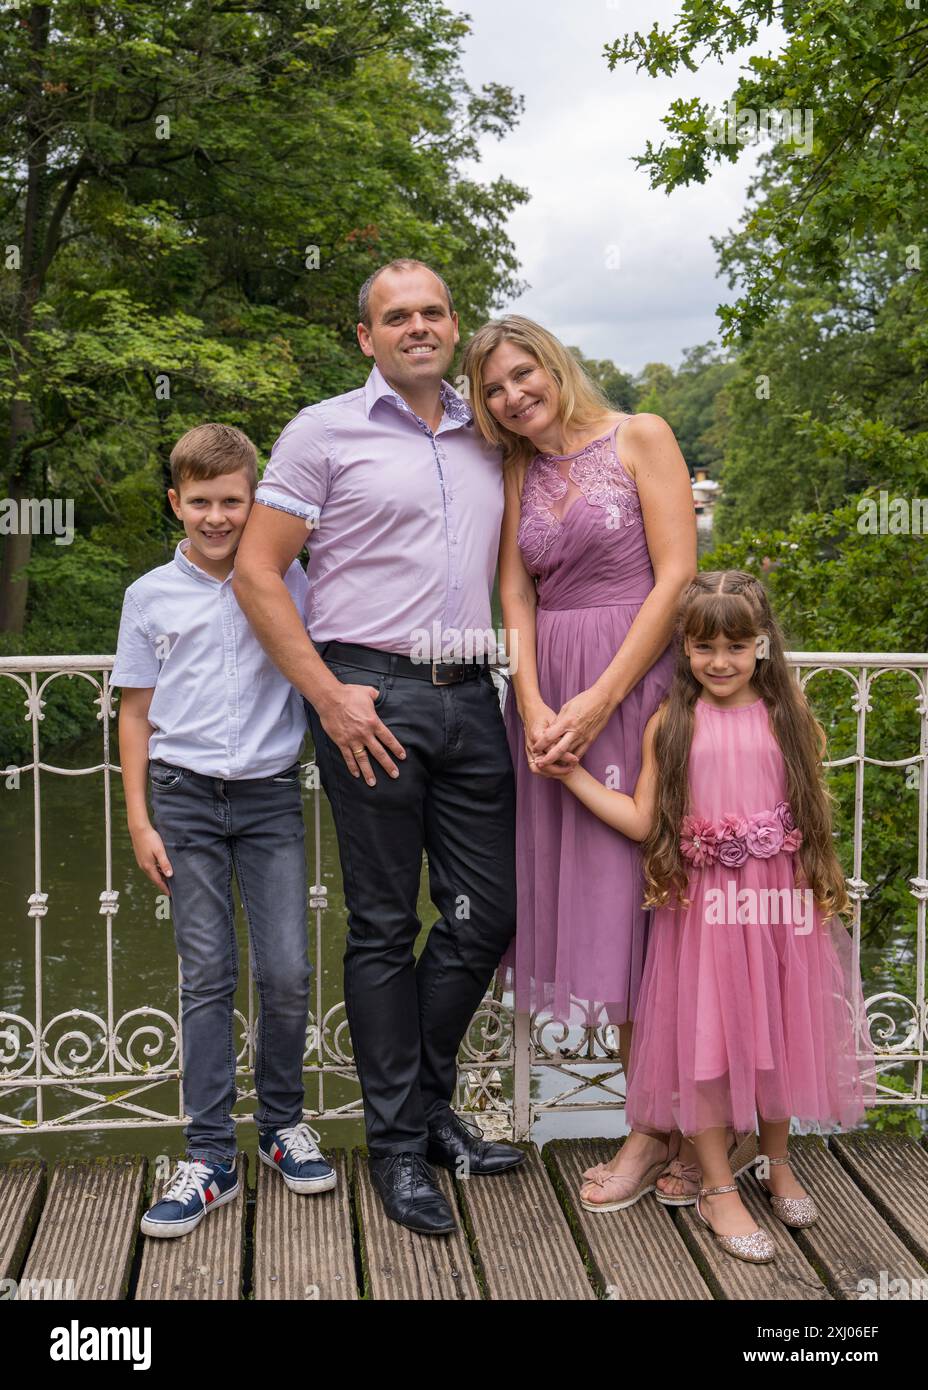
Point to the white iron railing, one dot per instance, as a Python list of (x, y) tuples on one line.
[(90, 1068)]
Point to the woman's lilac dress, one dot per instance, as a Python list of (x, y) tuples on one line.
[(581, 933)]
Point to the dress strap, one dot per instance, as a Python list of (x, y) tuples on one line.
[(615, 432), (615, 448)]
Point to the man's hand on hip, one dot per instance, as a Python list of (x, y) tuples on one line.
[(350, 720)]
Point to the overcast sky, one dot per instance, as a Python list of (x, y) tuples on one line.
[(572, 151)]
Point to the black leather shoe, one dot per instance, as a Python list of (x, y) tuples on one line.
[(406, 1186), (457, 1146)]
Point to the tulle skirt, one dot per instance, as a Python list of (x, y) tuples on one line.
[(741, 1017)]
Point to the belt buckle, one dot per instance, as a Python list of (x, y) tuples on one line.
[(454, 666)]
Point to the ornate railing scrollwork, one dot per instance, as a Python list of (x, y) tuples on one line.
[(513, 1069)]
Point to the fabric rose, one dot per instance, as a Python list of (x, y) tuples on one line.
[(732, 827), (733, 851), (732, 838), (764, 835), (698, 841)]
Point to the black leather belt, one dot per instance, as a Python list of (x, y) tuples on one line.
[(392, 663)]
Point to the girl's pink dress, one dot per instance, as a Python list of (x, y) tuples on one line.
[(750, 1002)]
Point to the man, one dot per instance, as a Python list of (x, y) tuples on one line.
[(405, 502)]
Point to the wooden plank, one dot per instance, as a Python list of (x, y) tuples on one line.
[(204, 1265), (22, 1189), (303, 1244), (399, 1264), (791, 1276), (88, 1228), (520, 1236), (633, 1254), (892, 1171), (850, 1241)]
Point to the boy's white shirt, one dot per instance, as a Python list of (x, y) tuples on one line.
[(220, 706)]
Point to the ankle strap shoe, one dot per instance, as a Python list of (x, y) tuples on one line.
[(756, 1248), (792, 1211)]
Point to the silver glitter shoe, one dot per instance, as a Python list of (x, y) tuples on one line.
[(792, 1211), (756, 1248)]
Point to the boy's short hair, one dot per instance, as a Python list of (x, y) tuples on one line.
[(209, 451)]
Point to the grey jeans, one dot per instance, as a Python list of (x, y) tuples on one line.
[(211, 826)]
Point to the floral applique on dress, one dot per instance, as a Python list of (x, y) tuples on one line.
[(601, 479)]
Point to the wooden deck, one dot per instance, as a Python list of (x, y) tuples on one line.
[(522, 1235)]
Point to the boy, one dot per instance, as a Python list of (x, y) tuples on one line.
[(219, 731)]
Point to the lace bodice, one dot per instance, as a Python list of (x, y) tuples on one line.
[(595, 473)]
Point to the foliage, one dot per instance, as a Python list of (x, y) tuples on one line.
[(692, 400), (857, 72), (618, 387), (192, 195)]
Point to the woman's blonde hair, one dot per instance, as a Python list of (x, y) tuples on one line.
[(581, 403), (735, 604)]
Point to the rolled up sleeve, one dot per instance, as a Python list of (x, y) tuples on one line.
[(296, 479)]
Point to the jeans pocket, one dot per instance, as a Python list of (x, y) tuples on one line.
[(358, 675), (166, 778), (289, 777)]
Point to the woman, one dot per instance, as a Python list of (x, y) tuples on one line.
[(598, 543)]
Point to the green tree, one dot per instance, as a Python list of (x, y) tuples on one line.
[(618, 386), (691, 400), (857, 341), (855, 162), (190, 195)]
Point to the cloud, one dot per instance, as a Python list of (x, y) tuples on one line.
[(590, 205)]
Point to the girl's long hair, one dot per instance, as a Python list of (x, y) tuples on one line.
[(581, 403), (735, 604)]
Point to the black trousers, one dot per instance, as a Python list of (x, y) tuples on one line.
[(454, 798)]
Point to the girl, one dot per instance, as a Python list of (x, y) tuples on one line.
[(750, 1006)]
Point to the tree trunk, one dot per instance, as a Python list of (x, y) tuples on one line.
[(16, 552), (18, 548)]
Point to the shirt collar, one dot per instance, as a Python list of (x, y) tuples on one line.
[(180, 559), (378, 388)]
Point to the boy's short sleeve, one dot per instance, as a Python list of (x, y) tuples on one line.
[(296, 479), (136, 662), (298, 587)]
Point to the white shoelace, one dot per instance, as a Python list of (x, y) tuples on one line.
[(301, 1143), (190, 1177)]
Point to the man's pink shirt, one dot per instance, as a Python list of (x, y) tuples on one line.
[(404, 522)]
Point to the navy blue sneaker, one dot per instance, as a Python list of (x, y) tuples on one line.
[(295, 1154), (195, 1189)]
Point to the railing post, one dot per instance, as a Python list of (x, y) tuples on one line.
[(521, 1077)]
